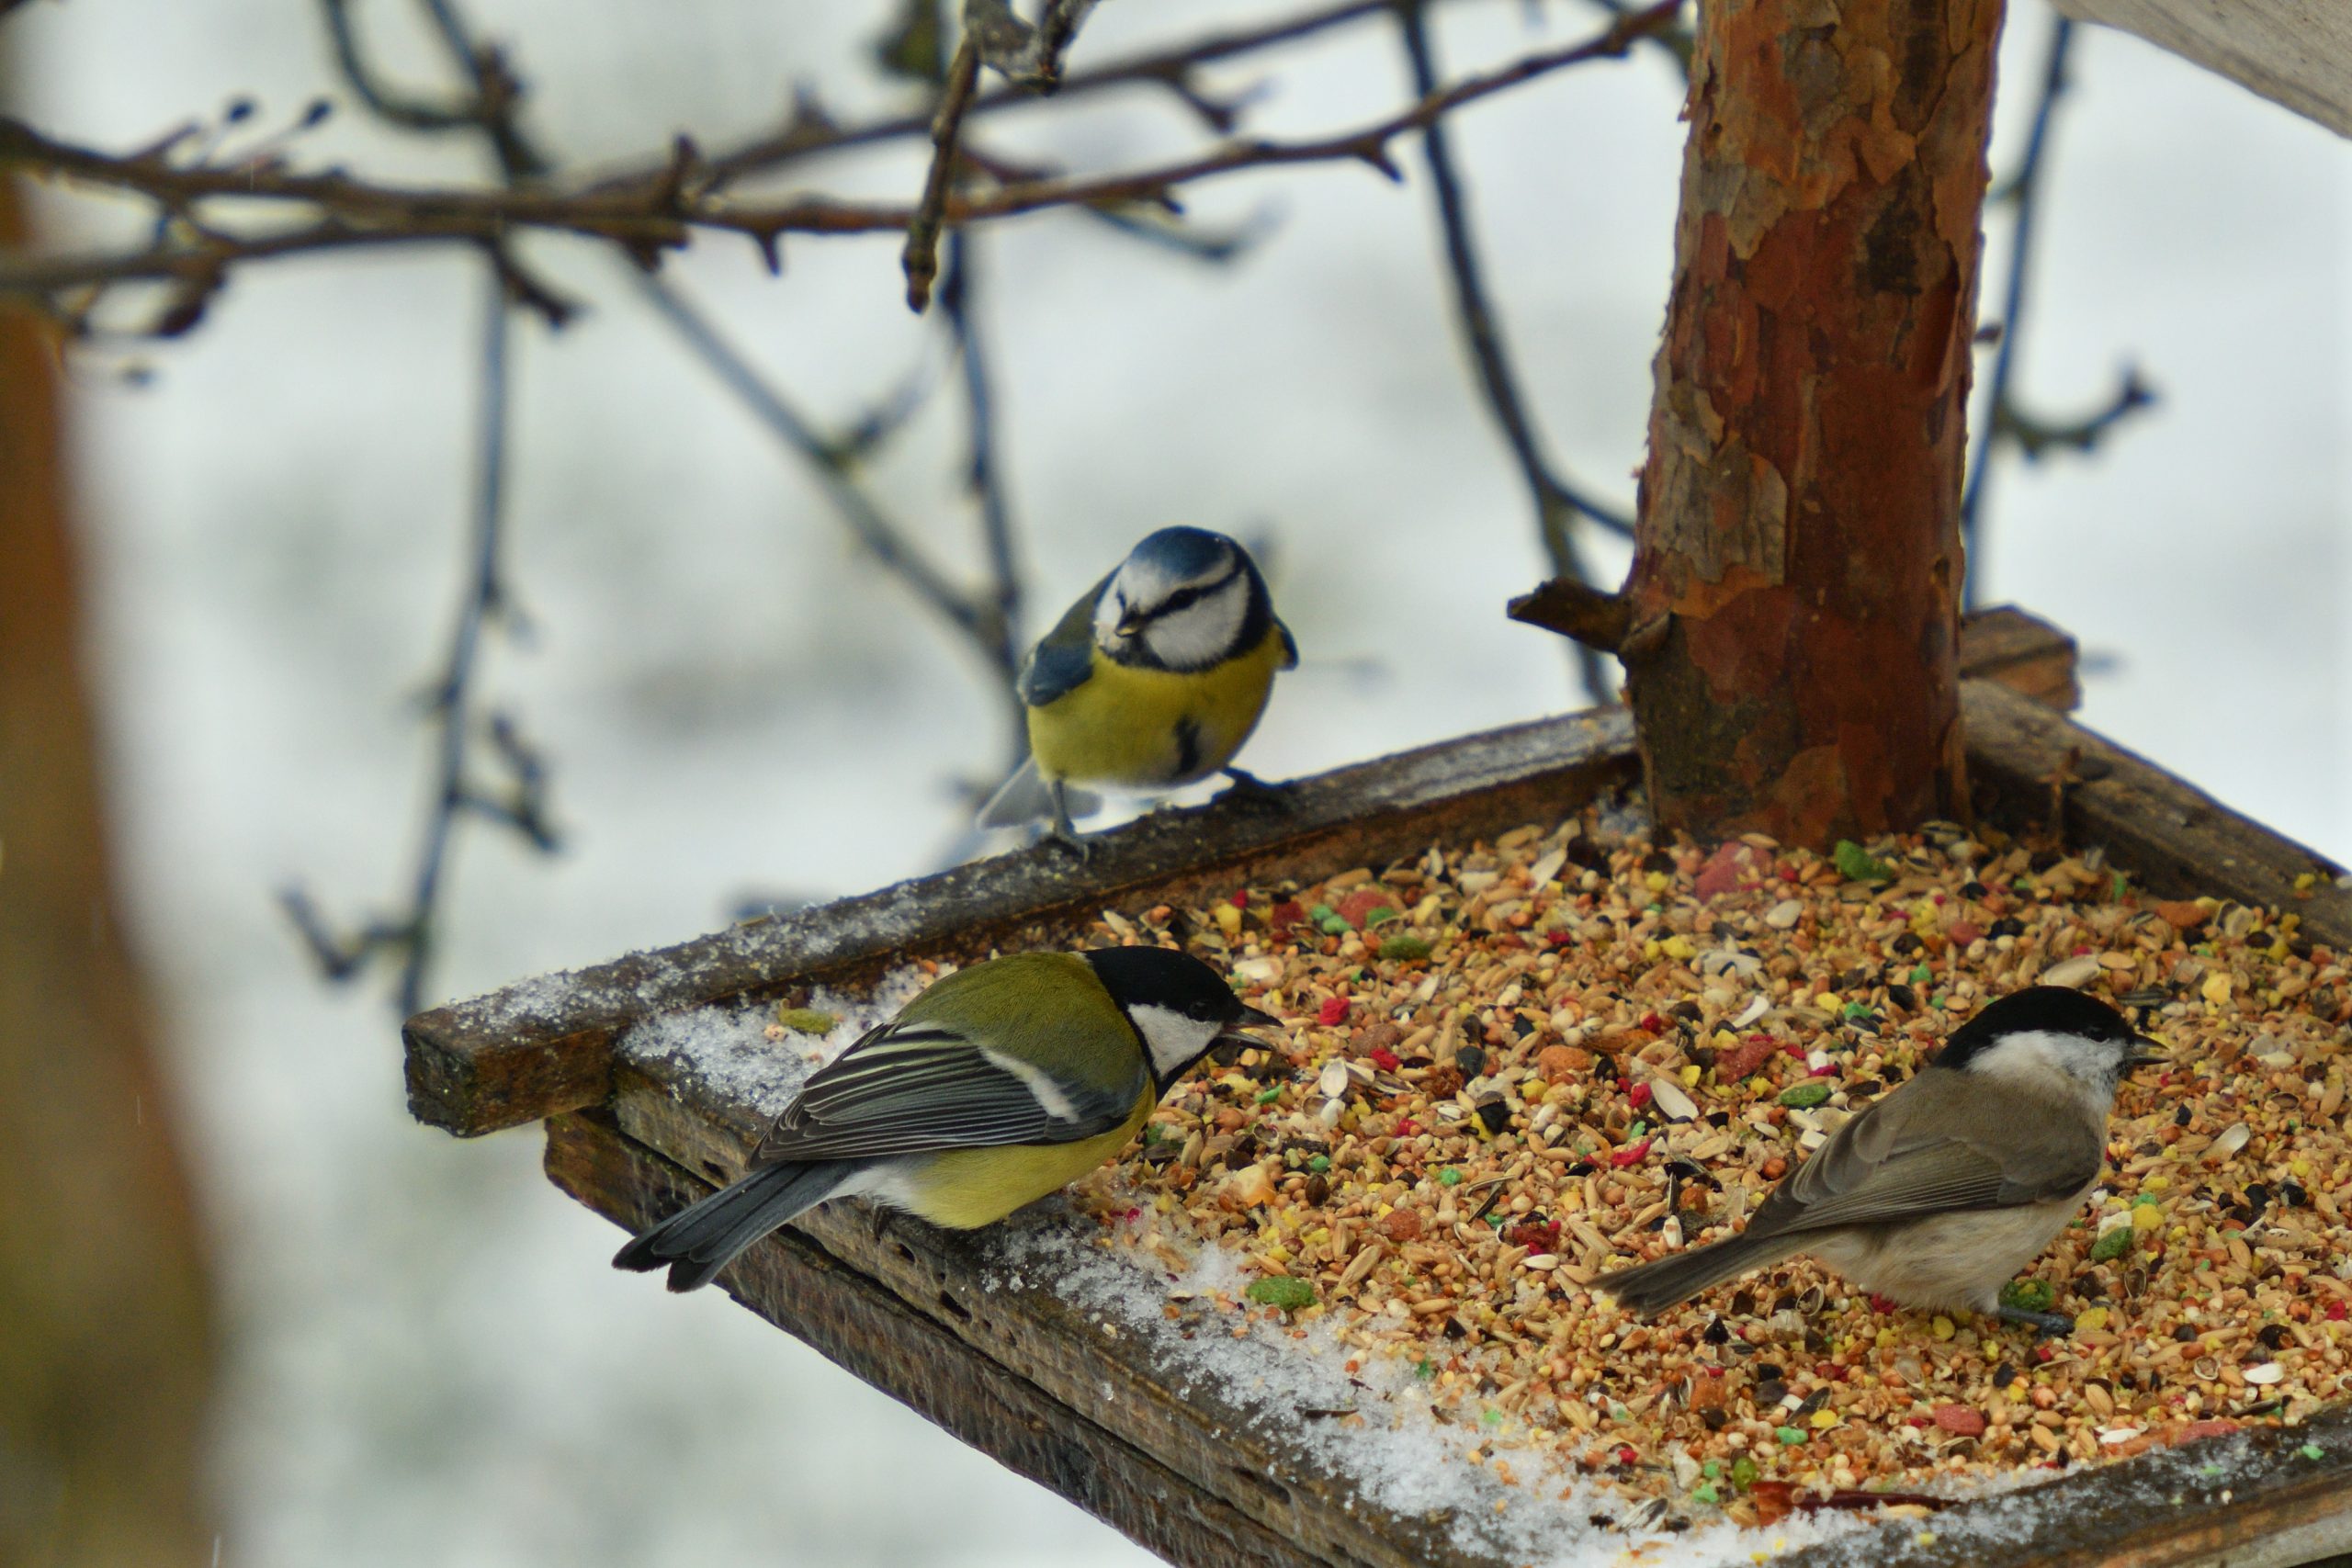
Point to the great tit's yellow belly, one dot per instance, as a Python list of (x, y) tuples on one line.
[(965, 1188), (1135, 728)]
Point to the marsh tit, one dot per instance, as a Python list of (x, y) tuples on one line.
[(1151, 680), (998, 1085), (1938, 1193)]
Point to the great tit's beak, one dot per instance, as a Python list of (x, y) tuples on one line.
[(1248, 1018), (2144, 1052)]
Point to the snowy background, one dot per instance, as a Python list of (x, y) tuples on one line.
[(429, 1360)]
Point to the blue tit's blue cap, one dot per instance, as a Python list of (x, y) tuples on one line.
[(1183, 553)]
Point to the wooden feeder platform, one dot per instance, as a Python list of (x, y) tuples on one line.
[(1186, 1468)]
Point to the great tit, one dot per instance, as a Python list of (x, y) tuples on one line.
[(1937, 1194), (1153, 679), (995, 1086)]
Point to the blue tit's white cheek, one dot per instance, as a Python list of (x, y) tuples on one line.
[(1174, 1040), (1109, 610), (1202, 633)]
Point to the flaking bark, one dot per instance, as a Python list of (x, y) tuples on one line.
[(1793, 604)]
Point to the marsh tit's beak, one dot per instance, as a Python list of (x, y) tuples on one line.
[(2146, 1052)]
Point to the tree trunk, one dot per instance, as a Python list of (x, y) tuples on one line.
[(1789, 630), (105, 1345)]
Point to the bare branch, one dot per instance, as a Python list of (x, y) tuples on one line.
[(660, 214), (809, 135), (1558, 501), (2007, 419), (921, 256), (1575, 609), (522, 805), (2036, 437), (884, 539), (984, 473)]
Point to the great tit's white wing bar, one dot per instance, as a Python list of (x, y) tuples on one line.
[(925, 1089)]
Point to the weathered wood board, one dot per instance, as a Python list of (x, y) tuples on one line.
[(2295, 53), (1116, 1415)]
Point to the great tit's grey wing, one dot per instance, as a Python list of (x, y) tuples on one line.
[(1942, 1142), (1290, 646), (916, 1085), (1064, 659)]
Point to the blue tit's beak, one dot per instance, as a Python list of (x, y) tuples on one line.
[(1130, 623)]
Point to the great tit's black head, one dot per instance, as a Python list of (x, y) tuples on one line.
[(1179, 1005), (1183, 599), (2059, 1027)]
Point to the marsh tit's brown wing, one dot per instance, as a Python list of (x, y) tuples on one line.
[(1945, 1141)]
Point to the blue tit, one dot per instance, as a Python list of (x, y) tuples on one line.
[(998, 1085), (1151, 680)]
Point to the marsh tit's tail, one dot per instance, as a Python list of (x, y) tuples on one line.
[(1651, 1288), (697, 1243)]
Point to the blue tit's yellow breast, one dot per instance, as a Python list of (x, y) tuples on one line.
[(965, 1188), (1138, 729)]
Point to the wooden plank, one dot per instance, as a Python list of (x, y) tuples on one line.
[(2240, 1500), (544, 1046), (1188, 1425), (528, 1052), (2025, 761), (2296, 52), (2023, 652), (803, 1289), (1193, 1469)]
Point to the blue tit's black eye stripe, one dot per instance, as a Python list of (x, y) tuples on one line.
[(1186, 597)]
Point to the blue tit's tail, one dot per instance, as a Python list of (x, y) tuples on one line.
[(1027, 797), (697, 1243)]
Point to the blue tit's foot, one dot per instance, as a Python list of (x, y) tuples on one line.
[(1249, 791), (1064, 831), (2046, 1324)]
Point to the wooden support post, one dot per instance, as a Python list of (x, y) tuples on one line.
[(1789, 630)]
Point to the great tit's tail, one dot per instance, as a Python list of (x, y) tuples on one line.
[(1027, 797), (697, 1243), (1649, 1288)]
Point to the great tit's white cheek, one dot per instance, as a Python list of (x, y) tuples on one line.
[(1173, 1040), (1204, 632)]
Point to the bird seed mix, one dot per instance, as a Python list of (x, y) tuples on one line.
[(1507, 1068)]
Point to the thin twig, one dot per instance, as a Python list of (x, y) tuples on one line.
[(882, 538), (984, 472), (521, 801), (808, 136), (453, 701), (2006, 418), (921, 256), (415, 934), (1558, 501), (646, 222)]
